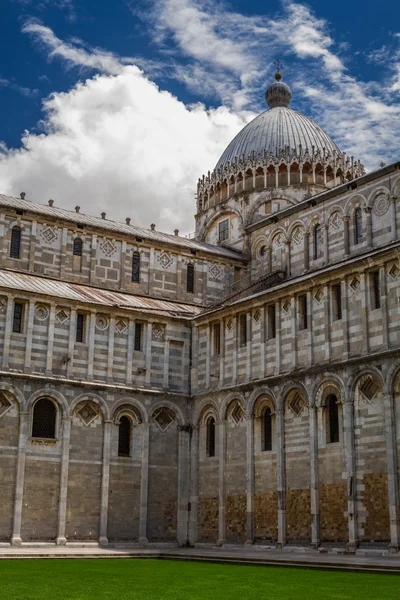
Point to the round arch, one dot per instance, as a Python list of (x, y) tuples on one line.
[(200, 411), (129, 402), (51, 394), (355, 201), (263, 391), (228, 400), (216, 215), (89, 397), (168, 404), (15, 392)]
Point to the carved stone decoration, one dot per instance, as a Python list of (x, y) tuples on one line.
[(5, 404), (297, 403), (3, 304), (49, 234), (158, 331), (319, 295), (108, 248), (165, 260), (381, 205), (286, 305), (256, 315), (354, 284), (278, 241), (298, 236), (215, 271), (393, 271), (164, 417), (101, 322), (41, 312), (62, 316), (121, 325), (87, 413), (368, 387), (335, 222), (237, 413), (229, 324)]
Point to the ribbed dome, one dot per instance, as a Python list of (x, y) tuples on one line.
[(274, 130)]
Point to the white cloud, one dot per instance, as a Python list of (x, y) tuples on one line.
[(119, 144), (23, 90)]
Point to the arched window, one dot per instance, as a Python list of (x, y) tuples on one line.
[(44, 419), (211, 437), (136, 267), (15, 247), (267, 429), (124, 436), (357, 226), (333, 418), (190, 279), (77, 251), (317, 242)]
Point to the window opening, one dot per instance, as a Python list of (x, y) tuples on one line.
[(44, 419), (337, 302), (136, 267), (267, 429), (18, 317), (124, 436), (333, 417), (243, 330), (271, 322), (138, 336), (15, 247), (190, 279), (357, 226), (317, 241), (80, 327), (211, 437), (376, 289), (303, 319), (223, 230), (217, 338), (78, 245)]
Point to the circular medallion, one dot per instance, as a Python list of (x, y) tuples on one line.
[(41, 312), (381, 206), (101, 322)]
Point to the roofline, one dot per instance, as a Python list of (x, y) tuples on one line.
[(300, 279), (323, 196)]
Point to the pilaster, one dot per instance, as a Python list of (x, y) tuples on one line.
[(20, 478), (62, 502), (105, 483), (144, 483), (221, 482)]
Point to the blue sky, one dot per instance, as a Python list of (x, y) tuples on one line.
[(84, 123)]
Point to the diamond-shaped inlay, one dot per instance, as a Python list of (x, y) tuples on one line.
[(3, 304), (163, 417), (296, 404), (256, 315), (298, 236), (335, 221), (215, 271), (41, 312), (101, 322), (87, 413), (121, 325), (238, 413), (394, 271), (354, 284), (165, 260), (229, 324), (5, 404), (62, 316), (286, 305), (48, 234), (319, 294), (158, 331), (368, 387), (108, 248), (278, 241)]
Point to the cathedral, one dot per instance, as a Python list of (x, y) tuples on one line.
[(239, 386)]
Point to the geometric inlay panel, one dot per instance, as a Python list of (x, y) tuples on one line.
[(87, 413), (48, 234), (165, 260), (108, 248), (297, 403), (163, 418), (5, 404), (238, 413)]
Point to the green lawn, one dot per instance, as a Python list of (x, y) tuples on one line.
[(149, 579)]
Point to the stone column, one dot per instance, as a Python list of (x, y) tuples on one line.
[(349, 442), (327, 322), (384, 306), (91, 345), (393, 477), (364, 311), (194, 486), (29, 335), (294, 331), (310, 341), (93, 261), (326, 243), (393, 218), (345, 318), (222, 353), (183, 484), (110, 355), (122, 266), (306, 250), (369, 225), (278, 337), (50, 340), (32, 248), (71, 342), (62, 502), (263, 344), (221, 482), (7, 331), (250, 480), (287, 257), (166, 363), (248, 345), (346, 236), (235, 344), (315, 535), (20, 478), (281, 479), (144, 483), (149, 332), (208, 356), (129, 352), (105, 483), (63, 253)]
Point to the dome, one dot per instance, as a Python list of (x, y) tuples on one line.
[(276, 129)]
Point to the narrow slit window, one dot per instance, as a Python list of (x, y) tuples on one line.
[(78, 245), (138, 337), (376, 289), (211, 437), (243, 330), (267, 429), (337, 302), (18, 317), (136, 267), (317, 242), (15, 248), (190, 279), (357, 226), (271, 322), (302, 306), (124, 436), (223, 230), (217, 338), (80, 327), (333, 419), (44, 419)]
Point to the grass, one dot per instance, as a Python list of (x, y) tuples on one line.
[(149, 579)]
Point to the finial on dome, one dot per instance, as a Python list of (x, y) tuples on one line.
[(278, 93)]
